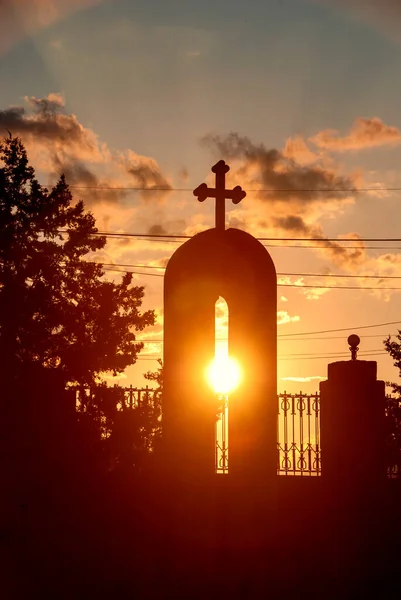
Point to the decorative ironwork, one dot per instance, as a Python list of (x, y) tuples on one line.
[(298, 434), (298, 429), (221, 432)]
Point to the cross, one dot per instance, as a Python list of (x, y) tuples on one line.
[(220, 193)]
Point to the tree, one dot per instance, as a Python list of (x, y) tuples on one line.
[(156, 376), (57, 313), (393, 406)]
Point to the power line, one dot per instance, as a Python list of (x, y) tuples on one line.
[(279, 274), (288, 357), (352, 328), (263, 239), (287, 339), (129, 265), (291, 285), (328, 357), (331, 337), (360, 353), (295, 239), (332, 287), (337, 275), (322, 247), (267, 190)]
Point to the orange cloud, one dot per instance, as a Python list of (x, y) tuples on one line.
[(303, 379), (58, 143), (271, 169), (297, 149), (289, 196), (44, 122), (283, 317), (365, 133)]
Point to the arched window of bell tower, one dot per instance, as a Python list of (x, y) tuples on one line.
[(221, 317), (221, 323)]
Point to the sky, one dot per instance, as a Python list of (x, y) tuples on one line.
[(301, 95)]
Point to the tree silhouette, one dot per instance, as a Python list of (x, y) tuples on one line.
[(393, 407), (62, 325), (56, 311), (156, 376)]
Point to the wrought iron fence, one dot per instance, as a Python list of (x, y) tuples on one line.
[(298, 435), (221, 433), (298, 430)]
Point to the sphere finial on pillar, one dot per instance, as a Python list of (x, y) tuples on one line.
[(353, 342)]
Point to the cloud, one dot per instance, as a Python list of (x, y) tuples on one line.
[(169, 227), (58, 143), (303, 379), (22, 18), (296, 149), (80, 175), (308, 192), (46, 123), (157, 230), (364, 133), (273, 170), (147, 174), (283, 317), (339, 253)]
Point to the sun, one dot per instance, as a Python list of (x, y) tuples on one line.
[(224, 374)]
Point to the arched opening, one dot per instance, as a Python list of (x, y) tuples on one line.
[(221, 320), (224, 376)]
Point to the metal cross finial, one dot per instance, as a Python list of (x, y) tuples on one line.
[(220, 193)]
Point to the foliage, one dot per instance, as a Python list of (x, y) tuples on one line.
[(156, 376), (128, 428), (393, 404), (56, 310)]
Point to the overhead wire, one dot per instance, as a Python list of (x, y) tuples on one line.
[(267, 190), (134, 266), (352, 328), (291, 285), (159, 236)]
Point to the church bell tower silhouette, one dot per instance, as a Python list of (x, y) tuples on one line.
[(234, 265)]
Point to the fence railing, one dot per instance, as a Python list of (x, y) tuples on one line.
[(298, 435), (298, 430)]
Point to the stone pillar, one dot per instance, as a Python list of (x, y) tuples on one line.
[(352, 417)]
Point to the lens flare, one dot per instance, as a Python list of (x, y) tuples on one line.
[(224, 374)]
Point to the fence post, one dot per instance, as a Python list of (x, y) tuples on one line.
[(352, 418)]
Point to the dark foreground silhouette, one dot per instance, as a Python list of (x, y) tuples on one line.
[(70, 528)]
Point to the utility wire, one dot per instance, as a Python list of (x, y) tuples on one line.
[(360, 353), (263, 239), (327, 357), (352, 328), (279, 274), (267, 190), (291, 285), (289, 339), (286, 357)]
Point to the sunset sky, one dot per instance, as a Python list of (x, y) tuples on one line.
[(297, 95)]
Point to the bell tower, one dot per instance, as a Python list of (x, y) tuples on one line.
[(234, 265)]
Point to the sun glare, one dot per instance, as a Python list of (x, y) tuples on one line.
[(224, 374)]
